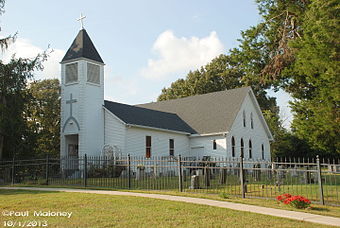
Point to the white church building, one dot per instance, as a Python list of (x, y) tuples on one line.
[(225, 123)]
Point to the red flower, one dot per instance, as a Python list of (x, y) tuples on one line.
[(295, 201), (282, 197)]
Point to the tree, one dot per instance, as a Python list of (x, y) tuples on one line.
[(295, 47), (315, 79), (13, 96), (42, 114)]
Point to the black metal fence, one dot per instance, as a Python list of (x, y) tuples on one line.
[(318, 180)]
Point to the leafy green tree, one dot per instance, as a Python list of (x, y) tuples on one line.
[(14, 76), (42, 114), (13, 96), (295, 47), (315, 81)]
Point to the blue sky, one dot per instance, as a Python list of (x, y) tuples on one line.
[(145, 44)]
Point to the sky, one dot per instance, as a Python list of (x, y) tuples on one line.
[(145, 45)]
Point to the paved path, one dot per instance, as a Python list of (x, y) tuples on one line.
[(302, 216)]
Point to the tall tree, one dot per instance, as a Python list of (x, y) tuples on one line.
[(13, 95), (42, 114), (315, 81)]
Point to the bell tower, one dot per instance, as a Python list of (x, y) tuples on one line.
[(82, 99)]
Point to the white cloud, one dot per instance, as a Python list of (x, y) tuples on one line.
[(25, 49), (181, 54)]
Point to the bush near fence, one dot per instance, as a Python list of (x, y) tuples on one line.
[(316, 179)]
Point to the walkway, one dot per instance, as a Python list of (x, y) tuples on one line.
[(302, 216)]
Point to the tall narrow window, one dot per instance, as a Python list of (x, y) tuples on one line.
[(250, 149), (262, 150), (233, 146), (242, 147), (171, 147), (214, 145), (148, 146), (251, 121), (244, 118)]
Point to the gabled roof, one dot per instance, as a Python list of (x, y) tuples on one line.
[(82, 47), (206, 113), (138, 116)]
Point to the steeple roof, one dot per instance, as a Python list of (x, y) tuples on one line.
[(82, 47)]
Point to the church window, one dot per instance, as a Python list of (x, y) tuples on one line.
[(242, 147), (233, 146), (251, 121), (250, 149), (171, 147), (214, 145), (244, 118), (262, 150), (93, 73), (71, 73), (148, 146)]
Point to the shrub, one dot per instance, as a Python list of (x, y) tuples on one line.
[(299, 202), (224, 195)]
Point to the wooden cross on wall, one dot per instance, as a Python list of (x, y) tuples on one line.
[(71, 101)]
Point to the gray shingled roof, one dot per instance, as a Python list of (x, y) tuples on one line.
[(146, 117), (207, 113), (82, 46)]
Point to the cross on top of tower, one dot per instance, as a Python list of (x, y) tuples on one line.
[(81, 18)]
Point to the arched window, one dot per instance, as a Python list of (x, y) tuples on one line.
[(251, 121), (244, 118), (262, 150), (233, 146), (242, 147), (250, 149), (214, 145)]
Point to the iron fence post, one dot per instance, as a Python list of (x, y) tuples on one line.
[(129, 171), (180, 177), (242, 177), (47, 169), (322, 201), (85, 171), (13, 170)]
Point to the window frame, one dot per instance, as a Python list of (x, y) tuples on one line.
[(87, 73), (250, 149), (232, 146), (244, 118), (67, 73), (242, 147), (148, 143), (262, 151), (171, 147), (251, 121)]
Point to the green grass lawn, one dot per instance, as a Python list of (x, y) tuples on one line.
[(231, 187), (91, 210), (269, 202)]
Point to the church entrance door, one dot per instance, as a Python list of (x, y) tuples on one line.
[(72, 151)]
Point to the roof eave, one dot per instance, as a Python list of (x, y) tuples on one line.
[(81, 58), (158, 129), (269, 134), (224, 133)]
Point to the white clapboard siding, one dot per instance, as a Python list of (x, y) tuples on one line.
[(207, 143), (135, 142), (258, 135), (115, 131)]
